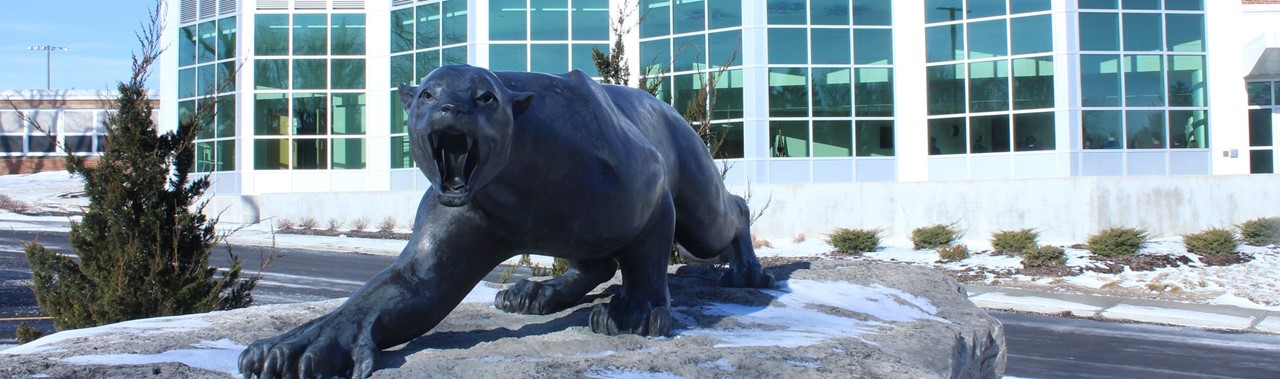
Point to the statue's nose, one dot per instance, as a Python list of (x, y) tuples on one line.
[(450, 109)]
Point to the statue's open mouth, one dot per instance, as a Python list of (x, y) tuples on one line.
[(455, 155)]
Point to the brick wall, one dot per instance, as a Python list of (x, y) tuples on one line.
[(31, 165)]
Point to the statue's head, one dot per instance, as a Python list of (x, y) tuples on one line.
[(460, 124)]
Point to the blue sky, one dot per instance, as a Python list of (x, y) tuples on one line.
[(99, 34)]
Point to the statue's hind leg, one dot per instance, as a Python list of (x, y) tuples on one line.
[(708, 231), (540, 298)]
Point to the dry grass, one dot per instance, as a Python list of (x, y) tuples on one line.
[(759, 243)]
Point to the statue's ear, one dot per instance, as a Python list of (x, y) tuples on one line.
[(520, 102), (407, 94)]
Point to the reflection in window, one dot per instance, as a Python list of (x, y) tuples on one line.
[(1142, 31), (1188, 129), (1099, 31), (348, 113), (829, 12), (270, 114), (729, 98), (348, 34), (988, 39), (946, 89), (788, 46), (947, 136), (1143, 80), (551, 58), (1034, 131), (944, 42), (310, 74), (984, 8), (348, 153), (1187, 81), (832, 96), (1100, 80), (943, 10), (989, 134), (1031, 35), (1185, 32), (453, 26), (310, 34), (788, 92), (590, 20), (271, 34), (875, 138), (271, 154), (730, 139), (1033, 83), (833, 138), (1260, 127), (310, 154), (989, 86), (724, 14), (548, 20), (786, 12), (657, 18), (834, 46), (688, 16), (789, 138), (505, 57), (1102, 129), (689, 52), (428, 30), (1145, 129), (873, 12), (507, 20), (725, 48), (873, 92), (347, 74), (1259, 93)]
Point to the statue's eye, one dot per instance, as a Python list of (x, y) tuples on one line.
[(427, 95), (486, 98)]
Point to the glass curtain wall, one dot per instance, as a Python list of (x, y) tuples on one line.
[(423, 37), (1263, 105), (207, 86), (552, 36)]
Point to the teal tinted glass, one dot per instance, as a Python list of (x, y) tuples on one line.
[(725, 48), (657, 18), (400, 157), (989, 134), (873, 46), (989, 86), (270, 114), (427, 61), (453, 24), (1146, 129), (310, 34), (187, 39), (1100, 31), (204, 155), (689, 16), (226, 80), (348, 34), (833, 138), (206, 80), (507, 20), (271, 154), (452, 55), (225, 155), (729, 140), (1184, 5), (1140, 4), (227, 38), (988, 39), (1185, 32), (1097, 4), (690, 52), (310, 154), (428, 26), (655, 56), (872, 12), (832, 92), (1260, 133), (552, 58), (1142, 32), (787, 12), (873, 92), (1188, 129), (1034, 131), (271, 74), (728, 99), (829, 12), (549, 20), (874, 138), (946, 89), (206, 48), (402, 70), (347, 74), (187, 83), (685, 89), (1102, 129), (1100, 80), (1033, 83), (943, 10), (310, 74), (399, 117), (348, 113), (944, 42), (724, 14), (1187, 85), (348, 153), (271, 34), (507, 57), (1259, 93), (225, 122), (947, 136), (984, 8), (580, 57), (1025, 6), (1031, 35), (835, 46), (1144, 80), (310, 114), (788, 46), (788, 92), (789, 138), (590, 20), (401, 30)]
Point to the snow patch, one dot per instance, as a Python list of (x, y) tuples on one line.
[(221, 355)]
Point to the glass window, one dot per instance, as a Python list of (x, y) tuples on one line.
[(984, 8), (310, 114), (548, 20), (1188, 129), (689, 16), (1024, 6), (724, 13), (946, 89), (580, 57), (989, 134), (832, 94), (687, 88), (1185, 32), (790, 138), (1186, 81), (399, 117), (1145, 129), (947, 136), (1142, 32), (1097, 4), (989, 86), (1099, 31), (1033, 83), (347, 74), (348, 113), (400, 157), (873, 92), (788, 92), (402, 70), (1259, 93), (204, 156), (988, 39), (943, 10), (829, 12), (82, 144), (225, 155), (1184, 5), (1031, 35), (872, 46), (226, 117), (271, 154), (226, 76), (504, 57), (875, 138), (10, 144), (786, 12), (655, 18), (187, 83), (80, 122), (655, 56), (723, 46), (186, 112), (310, 74), (1102, 129), (206, 82), (553, 58), (872, 12), (788, 46), (187, 38), (348, 34), (507, 20), (1034, 131), (453, 27), (41, 144), (456, 55), (1260, 127), (310, 154), (428, 29), (348, 153), (1141, 4), (590, 20), (944, 43), (728, 96), (401, 30), (730, 141), (206, 49), (833, 138), (1262, 162), (227, 38), (310, 34), (425, 62), (834, 45), (1144, 81), (1100, 80), (689, 52)]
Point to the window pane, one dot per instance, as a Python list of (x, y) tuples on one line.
[(834, 45), (226, 117), (686, 91), (723, 46), (730, 140), (348, 34), (655, 56), (310, 154), (270, 114), (310, 34), (348, 113), (1100, 80), (310, 74), (1141, 4), (428, 26), (688, 16), (591, 20), (401, 30), (399, 117), (227, 38), (872, 46), (310, 114), (1031, 35), (1033, 83), (548, 20), (224, 155), (1260, 127), (82, 144), (1034, 131), (724, 13), (1185, 32), (984, 8), (1184, 5), (788, 46), (1142, 32), (1188, 129), (453, 27), (271, 34), (1186, 81), (1259, 93), (875, 138), (549, 58), (656, 19), (833, 138), (206, 80), (187, 37), (427, 61), (873, 92), (947, 136), (1024, 6), (187, 83), (989, 134), (946, 89), (1262, 162), (206, 48), (348, 74), (944, 43), (728, 96), (204, 157), (788, 92), (690, 53), (1097, 4), (504, 57), (872, 12), (786, 12), (1102, 129), (832, 94), (400, 157), (507, 20), (271, 154), (988, 39), (348, 153), (829, 12), (1144, 81), (38, 143), (1100, 31), (402, 70), (943, 10), (226, 76), (790, 138), (1145, 129), (453, 55), (989, 86), (11, 144)]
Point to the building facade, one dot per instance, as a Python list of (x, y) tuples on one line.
[(56, 122), (807, 93)]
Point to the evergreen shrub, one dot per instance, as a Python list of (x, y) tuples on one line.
[(1044, 256), (1014, 241), (952, 253), (1117, 242), (1260, 231), (855, 241), (1212, 241), (933, 236)]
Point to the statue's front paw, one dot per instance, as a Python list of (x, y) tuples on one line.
[(311, 354), (622, 317), (757, 278), (527, 297)]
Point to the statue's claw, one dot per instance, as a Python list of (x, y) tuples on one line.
[(615, 318), (747, 278), (527, 297)]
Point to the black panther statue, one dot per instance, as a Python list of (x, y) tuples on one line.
[(603, 176)]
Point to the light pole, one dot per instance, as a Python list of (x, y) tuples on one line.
[(48, 58)]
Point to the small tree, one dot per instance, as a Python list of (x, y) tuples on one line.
[(144, 243)]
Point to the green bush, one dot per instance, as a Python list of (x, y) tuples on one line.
[(952, 253), (1044, 256), (27, 333), (1212, 241), (929, 237), (1014, 241), (1260, 231), (1116, 242), (854, 241), (559, 266)]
